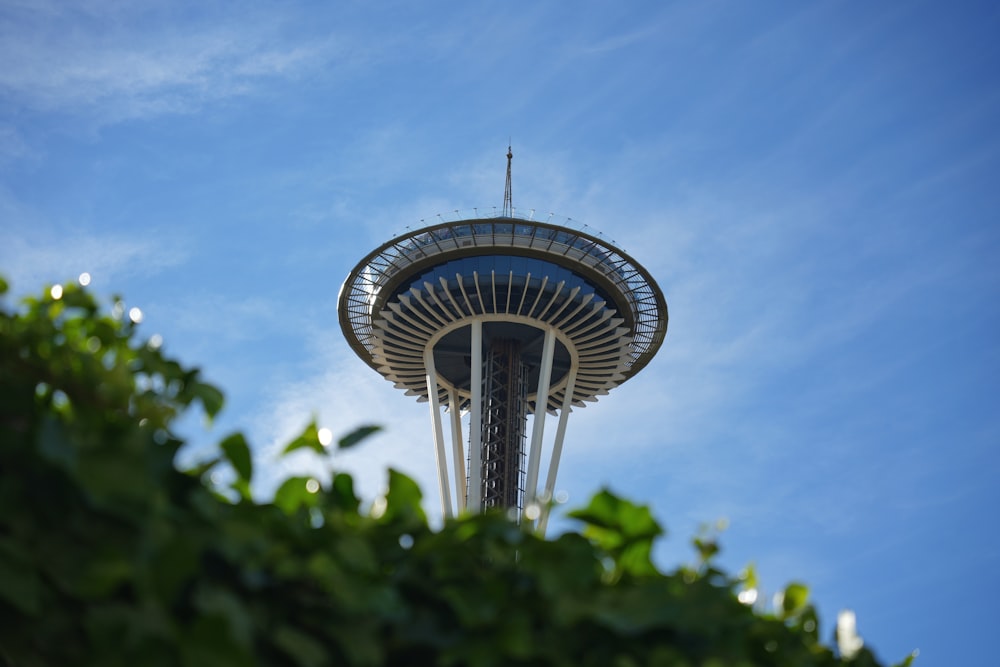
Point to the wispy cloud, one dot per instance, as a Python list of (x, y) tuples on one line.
[(73, 60), (31, 258)]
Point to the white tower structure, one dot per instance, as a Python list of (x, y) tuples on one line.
[(499, 317)]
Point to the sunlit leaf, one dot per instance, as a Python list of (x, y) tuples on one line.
[(308, 439), (626, 531), (794, 598), (294, 493)]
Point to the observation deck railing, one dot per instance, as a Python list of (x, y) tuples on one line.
[(555, 235)]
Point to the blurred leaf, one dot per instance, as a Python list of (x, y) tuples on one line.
[(625, 520), (357, 435), (707, 548), (748, 577), (294, 494), (623, 529), (238, 453), (302, 648), (402, 500), (218, 601), (211, 398), (204, 467), (794, 598), (308, 439), (341, 493), (242, 487)]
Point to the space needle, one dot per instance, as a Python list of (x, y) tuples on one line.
[(499, 317)]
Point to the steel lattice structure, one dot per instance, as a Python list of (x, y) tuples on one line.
[(504, 420), (429, 308)]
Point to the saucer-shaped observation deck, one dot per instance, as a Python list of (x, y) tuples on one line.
[(487, 311)]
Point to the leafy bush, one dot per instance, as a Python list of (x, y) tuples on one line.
[(109, 555)]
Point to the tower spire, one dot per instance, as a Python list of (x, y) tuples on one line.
[(508, 205)]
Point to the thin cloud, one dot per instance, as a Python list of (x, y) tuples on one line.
[(32, 261), (62, 63)]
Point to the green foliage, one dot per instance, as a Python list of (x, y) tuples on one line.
[(109, 555)]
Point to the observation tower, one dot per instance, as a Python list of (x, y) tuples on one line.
[(499, 317)]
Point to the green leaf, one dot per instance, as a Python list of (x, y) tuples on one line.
[(624, 530), (794, 599), (302, 648), (294, 493), (203, 468), (238, 453), (748, 577), (211, 398), (707, 548), (357, 435), (214, 600), (242, 487), (341, 494), (625, 520), (402, 500), (308, 439)]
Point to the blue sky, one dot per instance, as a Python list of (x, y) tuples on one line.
[(813, 185)]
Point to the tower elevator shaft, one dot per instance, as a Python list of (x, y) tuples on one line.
[(504, 418)]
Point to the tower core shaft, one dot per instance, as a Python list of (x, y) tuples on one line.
[(504, 416)]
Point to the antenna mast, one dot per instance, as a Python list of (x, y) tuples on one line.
[(508, 205)]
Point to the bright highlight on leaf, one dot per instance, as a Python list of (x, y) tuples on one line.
[(308, 439), (848, 640)]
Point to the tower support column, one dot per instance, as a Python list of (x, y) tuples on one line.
[(475, 493), (457, 453), (439, 454), (550, 482), (538, 428)]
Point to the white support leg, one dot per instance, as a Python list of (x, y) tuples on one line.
[(457, 453), (439, 454), (538, 428), (550, 482), (476, 420)]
